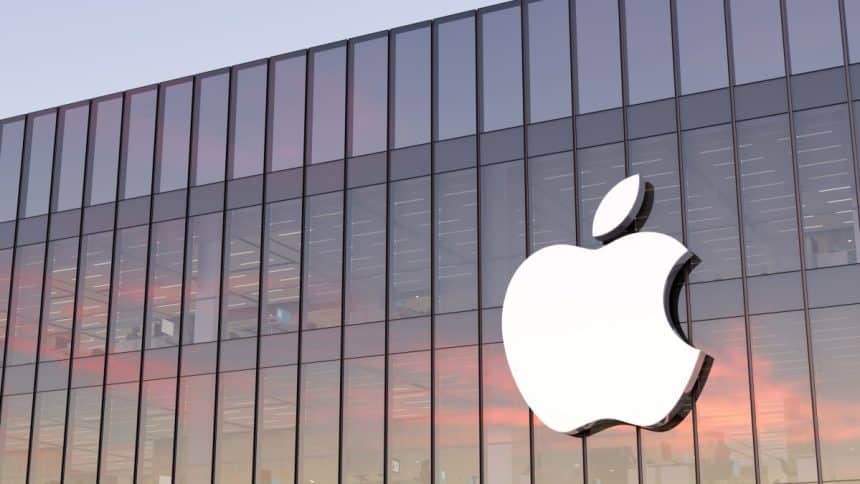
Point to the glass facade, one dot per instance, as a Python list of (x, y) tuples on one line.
[(291, 270)]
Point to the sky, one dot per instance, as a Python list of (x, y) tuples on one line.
[(54, 52)]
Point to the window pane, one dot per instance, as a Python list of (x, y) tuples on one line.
[(369, 98), (129, 286), (155, 443), (165, 284), (363, 420), (276, 425), (598, 55), (551, 201), (202, 279), (327, 104), (503, 243), (501, 69), (365, 268), (5, 280), (852, 20), (506, 421), (287, 113), (456, 418), (548, 60), (38, 160), (118, 434), (656, 161), (814, 35), (249, 120), (46, 449), (409, 242), (456, 248), (702, 45), (59, 299), (11, 145), (612, 456), (826, 177), (139, 143), (194, 429), (103, 163), (767, 189), (409, 418), (318, 430), (649, 50), (712, 209), (93, 293), (69, 178), (174, 137), (598, 170), (323, 261), (668, 456), (210, 129), (283, 264), (15, 438), (242, 274), (455, 78), (411, 103), (24, 310), (757, 40), (235, 427), (82, 439), (557, 457)]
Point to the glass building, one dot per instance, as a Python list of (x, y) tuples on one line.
[(291, 270)]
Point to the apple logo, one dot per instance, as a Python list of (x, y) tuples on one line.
[(590, 335)]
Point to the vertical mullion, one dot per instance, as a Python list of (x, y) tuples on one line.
[(344, 248), (387, 276)]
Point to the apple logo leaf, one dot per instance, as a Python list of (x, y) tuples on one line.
[(618, 209)]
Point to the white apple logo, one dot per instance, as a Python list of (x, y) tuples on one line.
[(588, 333)]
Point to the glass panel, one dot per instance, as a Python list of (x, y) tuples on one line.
[(59, 299), (93, 293), (767, 189), (411, 77), (202, 279), (38, 160), (210, 129), (826, 177), (174, 136), (656, 160), (103, 161), (15, 438), (835, 337), (612, 456), (598, 170), (409, 418), (276, 425), (598, 55), (363, 420), (668, 456), (235, 427), (409, 242), (503, 243), (287, 113), (46, 451), (155, 444), (756, 40), (456, 415), (455, 78), (501, 69), (319, 414), (139, 144), (548, 59), (557, 457), (194, 429), (69, 178), (725, 428), (82, 439), (242, 273), (249, 120), (23, 331), (506, 421), (11, 145), (323, 261), (365, 267), (327, 104), (456, 248), (129, 288), (702, 46), (852, 20), (814, 35), (551, 201), (5, 280), (165, 284), (649, 50), (118, 434), (283, 264), (368, 116), (712, 208), (782, 398)]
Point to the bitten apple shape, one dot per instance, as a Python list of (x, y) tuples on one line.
[(587, 333)]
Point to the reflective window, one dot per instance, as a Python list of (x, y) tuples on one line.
[(24, 310), (11, 145), (363, 420), (767, 189), (506, 421), (72, 141), (155, 442), (282, 269), (548, 59), (287, 113), (139, 142), (598, 55), (209, 152), (5, 281), (118, 434), (46, 455), (365, 255), (501, 69), (757, 40), (194, 429), (234, 447), (241, 284), (552, 217), (327, 104), (409, 248), (202, 279), (82, 439), (368, 114), (93, 293), (174, 136), (503, 243), (826, 178), (852, 20), (318, 430), (103, 156), (557, 457), (669, 456), (323, 259), (411, 89), (38, 160), (649, 50), (612, 456), (455, 78), (58, 305), (656, 160), (814, 35), (456, 247), (276, 424), (702, 46), (456, 415), (165, 284), (15, 422), (129, 287), (598, 170), (409, 418), (248, 119), (782, 398), (711, 202)]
